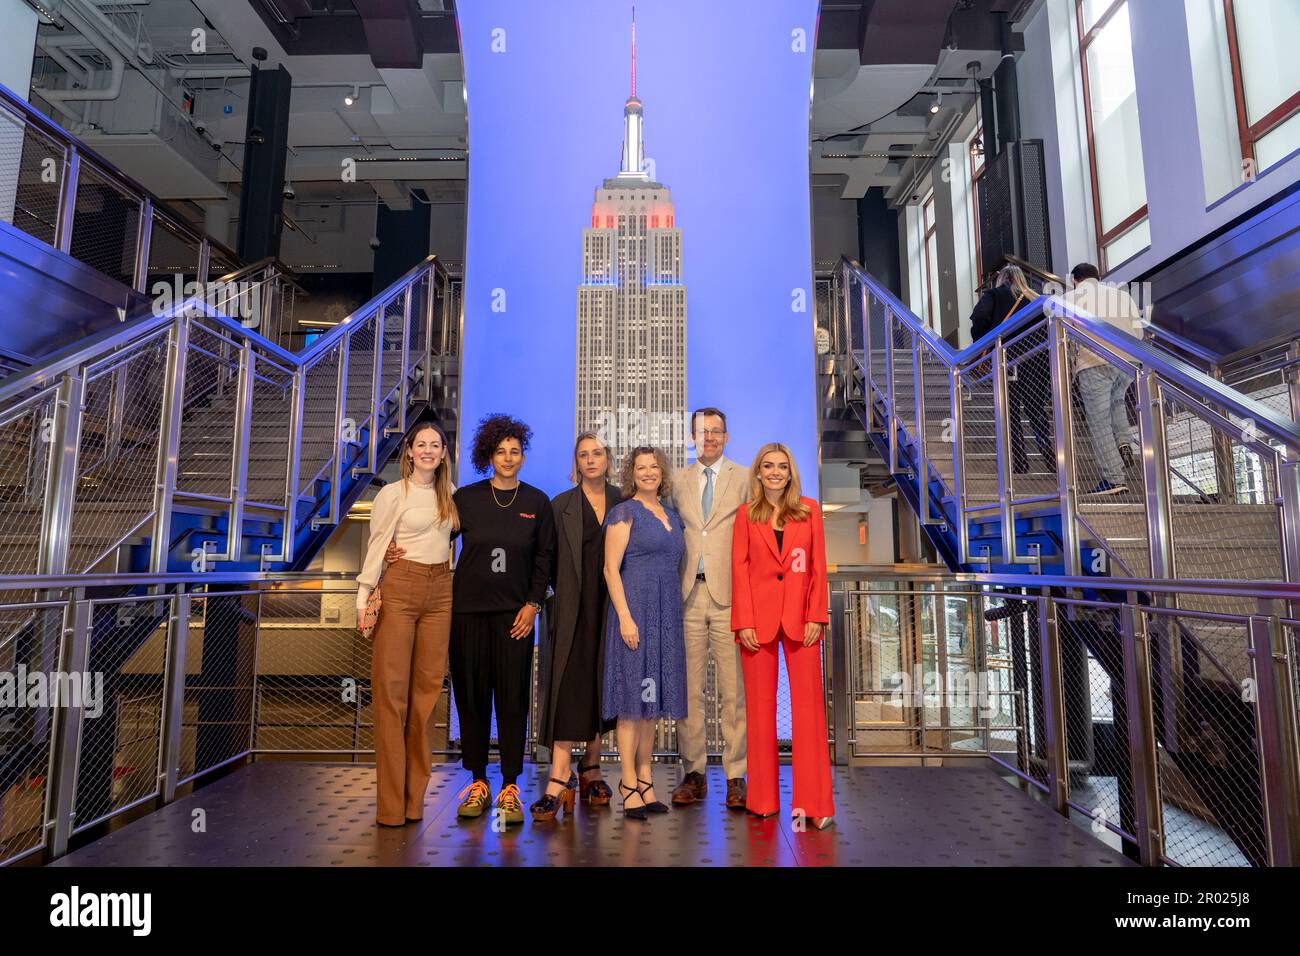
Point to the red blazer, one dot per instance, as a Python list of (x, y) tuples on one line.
[(773, 589)]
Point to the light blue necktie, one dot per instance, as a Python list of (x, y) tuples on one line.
[(706, 505)]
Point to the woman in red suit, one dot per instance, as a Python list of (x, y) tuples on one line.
[(778, 599)]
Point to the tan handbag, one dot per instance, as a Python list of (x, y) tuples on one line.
[(370, 615)]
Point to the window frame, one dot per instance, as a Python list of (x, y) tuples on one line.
[(929, 227), (1135, 218), (975, 176), (1251, 135)]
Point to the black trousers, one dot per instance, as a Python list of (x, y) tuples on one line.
[(488, 667)]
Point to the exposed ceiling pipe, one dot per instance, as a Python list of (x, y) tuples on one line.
[(117, 69), (56, 48)]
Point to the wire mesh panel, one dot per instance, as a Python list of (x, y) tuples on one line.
[(904, 379), (940, 433), (1096, 715), (106, 226), (1016, 735), (118, 456), (313, 673), (269, 424), (1208, 741), (30, 635), (31, 169), (1113, 522), (173, 253), (220, 664), (979, 434), (208, 412), (361, 374), (391, 357), (1224, 496), (121, 736), (1029, 415), (26, 441), (320, 394)]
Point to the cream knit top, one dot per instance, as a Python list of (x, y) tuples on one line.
[(408, 513)]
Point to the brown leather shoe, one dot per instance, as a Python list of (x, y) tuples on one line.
[(736, 793), (691, 790)]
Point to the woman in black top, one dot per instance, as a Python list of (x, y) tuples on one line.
[(1029, 390), (507, 535), (573, 653)]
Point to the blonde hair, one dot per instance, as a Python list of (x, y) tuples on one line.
[(575, 473), (627, 477), (441, 475), (1015, 277), (789, 508)]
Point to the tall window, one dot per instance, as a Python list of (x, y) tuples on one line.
[(931, 261), (975, 160), (1265, 76), (1119, 194)]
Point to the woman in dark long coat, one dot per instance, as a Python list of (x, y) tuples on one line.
[(574, 654)]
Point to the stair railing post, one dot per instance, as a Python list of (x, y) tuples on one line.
[(841, 638), (239, 456), (865, 296), (376, 394), (67, 200), (61, 793), (1278, 751), (1049, 657), (918, 413), (1160, 543), (1063, 429), (65, 436), (957, 407), (891, 419), (340, 413), (178, 628), (293, 466), (1002, 436), (169, 439), (1144, 773), (143, 242), (403, 378)]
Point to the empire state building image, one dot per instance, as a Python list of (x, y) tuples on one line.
[(631, 368)]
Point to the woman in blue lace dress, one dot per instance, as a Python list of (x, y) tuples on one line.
[(645, 651)]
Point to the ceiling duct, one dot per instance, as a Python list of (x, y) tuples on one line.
[(393, 33), (903, 31)]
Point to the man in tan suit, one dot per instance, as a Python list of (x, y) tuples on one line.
[(707, 495)]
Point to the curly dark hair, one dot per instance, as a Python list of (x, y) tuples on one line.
[(492, 430)]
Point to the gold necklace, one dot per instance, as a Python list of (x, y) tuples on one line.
[(494, 495)]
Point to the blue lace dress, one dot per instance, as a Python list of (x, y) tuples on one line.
[(649, 682)]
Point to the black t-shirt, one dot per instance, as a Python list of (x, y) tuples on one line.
[(506, 553)]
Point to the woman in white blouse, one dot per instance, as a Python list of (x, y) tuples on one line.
[(410, 639)]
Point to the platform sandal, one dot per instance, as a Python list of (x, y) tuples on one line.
[(549, 804), (596, 792)]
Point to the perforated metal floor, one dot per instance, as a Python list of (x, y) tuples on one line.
[(316, 814)]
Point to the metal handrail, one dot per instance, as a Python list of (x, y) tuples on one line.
[(906, 427), (244, 356), (78, 154), (1125, 346)]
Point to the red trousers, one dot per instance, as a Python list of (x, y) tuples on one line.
[(812, 759)]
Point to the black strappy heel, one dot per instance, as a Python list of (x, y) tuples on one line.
[(633, 813), (658, 806), (549, 804)]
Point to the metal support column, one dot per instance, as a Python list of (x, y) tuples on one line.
[(169, 440), (178, 629), (61, 794), (1049, 657), (1279, 752), (1149, 818)]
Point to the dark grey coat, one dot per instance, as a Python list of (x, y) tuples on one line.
[(562, 606)]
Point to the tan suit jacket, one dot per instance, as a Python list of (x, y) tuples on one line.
[(712, 538)]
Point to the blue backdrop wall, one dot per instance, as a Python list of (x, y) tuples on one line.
[(725, 87)]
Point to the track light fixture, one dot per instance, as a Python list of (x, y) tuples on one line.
[(351, 98)]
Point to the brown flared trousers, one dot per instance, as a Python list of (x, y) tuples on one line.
[(407, 667)]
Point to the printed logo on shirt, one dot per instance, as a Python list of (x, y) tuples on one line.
[(524, 514)]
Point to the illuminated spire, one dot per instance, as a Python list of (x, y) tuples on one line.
[(633, 165)]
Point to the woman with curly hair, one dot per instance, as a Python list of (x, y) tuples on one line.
[(507, 548), (645, 651)]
